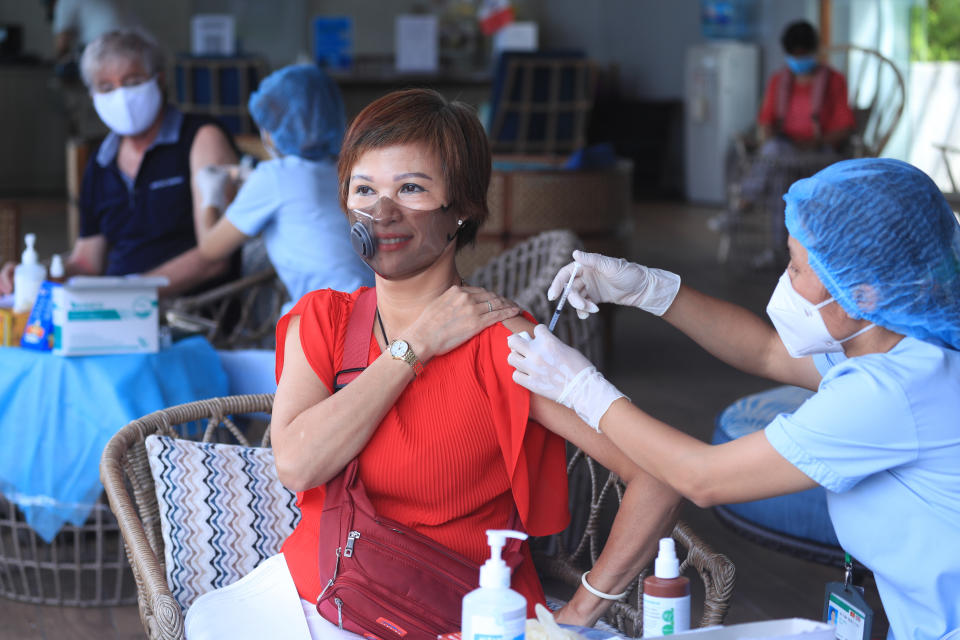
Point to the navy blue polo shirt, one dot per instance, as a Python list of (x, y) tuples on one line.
[(149, 219)]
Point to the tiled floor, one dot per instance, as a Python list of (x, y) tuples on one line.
[(660, 369)]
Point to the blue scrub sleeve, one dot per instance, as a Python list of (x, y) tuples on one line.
[(257, 201), (856, 425)]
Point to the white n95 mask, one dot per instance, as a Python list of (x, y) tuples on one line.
[(799, 324), (129, 110)]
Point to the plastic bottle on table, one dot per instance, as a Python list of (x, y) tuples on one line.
[(27, 276), (495, 611), (666, 595)]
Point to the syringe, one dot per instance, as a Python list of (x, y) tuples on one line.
[(563, 296)]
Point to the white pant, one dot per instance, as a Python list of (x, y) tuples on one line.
[(262, 604)]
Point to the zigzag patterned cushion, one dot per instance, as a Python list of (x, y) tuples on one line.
[(222, 512)]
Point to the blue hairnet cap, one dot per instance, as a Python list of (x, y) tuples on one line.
[(884, 242), (300, 107)]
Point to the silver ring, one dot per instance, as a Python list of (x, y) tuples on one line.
[(489, 307)]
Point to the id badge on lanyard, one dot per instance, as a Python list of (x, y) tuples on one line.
[(845, 608)]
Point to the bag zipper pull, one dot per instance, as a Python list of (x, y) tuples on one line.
[(336, 568), (339, 603), (320, 597), (351, 540)]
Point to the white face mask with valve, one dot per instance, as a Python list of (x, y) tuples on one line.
[(129, 110), (799, 324)]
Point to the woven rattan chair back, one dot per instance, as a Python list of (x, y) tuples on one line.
[(876, 91), (9, 231), (238, 315), (130, 491), (524, 273), (83, 566)]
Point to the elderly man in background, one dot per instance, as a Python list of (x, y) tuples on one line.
[(139, 209)]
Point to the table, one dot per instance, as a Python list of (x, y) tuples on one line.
[(57, 413)]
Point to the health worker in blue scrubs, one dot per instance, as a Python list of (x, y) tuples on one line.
[(140, 212), (867, 314), (291, 199)]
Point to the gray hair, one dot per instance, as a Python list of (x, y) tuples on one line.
[(123, 43)]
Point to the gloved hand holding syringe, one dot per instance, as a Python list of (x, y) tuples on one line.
[(563, 297)]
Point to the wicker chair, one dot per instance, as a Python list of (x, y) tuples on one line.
[(524, 274), (876, 93), (9, 232), (237, 315), (126, 476), (83, 566)]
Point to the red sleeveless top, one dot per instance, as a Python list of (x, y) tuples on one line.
[(451, 458)]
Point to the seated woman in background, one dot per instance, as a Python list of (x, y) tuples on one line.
[(138, 209), (806, 103), (447, 443), (806, 119), (291, 199)]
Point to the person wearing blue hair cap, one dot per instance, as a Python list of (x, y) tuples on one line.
[(867, 314), (292, 198)]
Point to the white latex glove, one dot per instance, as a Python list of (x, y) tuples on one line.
[(548, 367), (604, 279), (211, 182)]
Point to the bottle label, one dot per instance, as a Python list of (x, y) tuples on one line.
[(665, 616), (509, 626)]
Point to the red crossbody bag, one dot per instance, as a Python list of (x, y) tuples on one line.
[(384, 580)]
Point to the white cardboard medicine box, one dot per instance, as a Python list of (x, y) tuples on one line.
[(787, 629), (98, 315)]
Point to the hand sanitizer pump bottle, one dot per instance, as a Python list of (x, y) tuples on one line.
[(495, 611), (27, 277), (666, 595)]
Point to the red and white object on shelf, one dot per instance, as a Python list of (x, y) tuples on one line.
[(494, 15)]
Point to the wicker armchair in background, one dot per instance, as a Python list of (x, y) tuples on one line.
[(9, 231), (237, 315), (524, 274), (876, 94), (131, 492)]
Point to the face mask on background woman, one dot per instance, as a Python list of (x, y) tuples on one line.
[(801, 64), (129, 110)]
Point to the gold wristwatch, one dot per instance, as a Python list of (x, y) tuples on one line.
[(400, 350)]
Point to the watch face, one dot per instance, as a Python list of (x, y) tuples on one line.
[(398, 349)]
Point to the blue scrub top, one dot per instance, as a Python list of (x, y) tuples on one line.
[(295, 204), (882, 435)]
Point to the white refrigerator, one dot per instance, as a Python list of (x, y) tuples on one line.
[(721, 99)]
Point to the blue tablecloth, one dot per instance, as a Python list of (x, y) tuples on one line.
[(57, 414)]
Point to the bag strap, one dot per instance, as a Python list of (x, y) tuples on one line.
[(356, 346), (784, 89), (818, 92)]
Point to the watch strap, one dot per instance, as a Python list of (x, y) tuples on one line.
[(410, 358)]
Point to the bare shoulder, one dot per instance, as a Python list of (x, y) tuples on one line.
[(212, 145), (516, 324)]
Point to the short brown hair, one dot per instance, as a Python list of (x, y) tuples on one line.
[(450, 129)]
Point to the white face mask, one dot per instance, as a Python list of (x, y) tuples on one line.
[(129, 110), (799, 323)]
